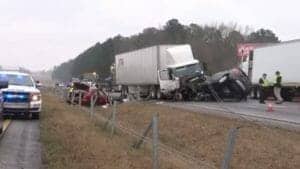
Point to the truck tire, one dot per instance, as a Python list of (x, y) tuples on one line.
[(124, 91), (178, 96), (28, 116), (236, 90), (158, 94), (287, 94), (152, 93), (36, 116)]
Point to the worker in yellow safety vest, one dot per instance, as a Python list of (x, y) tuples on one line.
[(263, 88)]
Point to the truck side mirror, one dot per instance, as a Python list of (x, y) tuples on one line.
[(170, 74), (3, 84)]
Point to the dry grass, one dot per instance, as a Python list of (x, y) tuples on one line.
[(204, 137), (72, 141)]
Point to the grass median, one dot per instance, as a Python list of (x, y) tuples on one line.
[(72, 140)]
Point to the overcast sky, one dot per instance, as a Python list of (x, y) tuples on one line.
[(39, 34)]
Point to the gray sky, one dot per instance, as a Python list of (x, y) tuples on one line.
[(39, 34)]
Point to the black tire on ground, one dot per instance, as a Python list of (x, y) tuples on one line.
[(1, 130)]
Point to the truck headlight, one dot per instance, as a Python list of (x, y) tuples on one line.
[(35, 97)]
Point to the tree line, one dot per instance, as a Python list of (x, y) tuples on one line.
[(215, 47)]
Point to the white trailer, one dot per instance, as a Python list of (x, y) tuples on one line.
[(283, 57), (155, 70)]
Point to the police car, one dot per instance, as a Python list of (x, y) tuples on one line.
[(3, 84), (21, 97)]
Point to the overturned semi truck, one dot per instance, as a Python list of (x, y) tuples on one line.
[(170, 71)]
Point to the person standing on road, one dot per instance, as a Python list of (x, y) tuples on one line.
[(263, 87), (277, 87)]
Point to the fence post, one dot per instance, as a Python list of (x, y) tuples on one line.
[(155, 141), (61, 94), (92, 106), (139, 142), (229, 149), (113, 120), (80, 99)]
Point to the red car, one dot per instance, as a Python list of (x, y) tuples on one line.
[(88, 91), (102, 98)]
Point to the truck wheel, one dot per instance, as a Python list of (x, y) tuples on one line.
[(287, 94), (152, 93), (28, 116), (178, 96), (124, 92), (158, 94), (36, 116)]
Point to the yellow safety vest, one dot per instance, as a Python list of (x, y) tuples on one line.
[(266, 82)]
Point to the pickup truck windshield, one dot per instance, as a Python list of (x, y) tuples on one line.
[(187, 70), (18, 80)]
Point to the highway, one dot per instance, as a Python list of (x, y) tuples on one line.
[(20, 147), (286, 115)]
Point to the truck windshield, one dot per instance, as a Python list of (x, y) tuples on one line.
[(18, 80), (187, 70)]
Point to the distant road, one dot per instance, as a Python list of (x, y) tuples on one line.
[(20, 147), (286, 115)]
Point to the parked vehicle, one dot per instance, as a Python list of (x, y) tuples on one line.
[(3, 85), (283, 57), (155, 71), (171, 71), (87, 91), (22, 96)]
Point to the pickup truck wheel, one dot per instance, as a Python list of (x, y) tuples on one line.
[(36, 116), (28, 116)]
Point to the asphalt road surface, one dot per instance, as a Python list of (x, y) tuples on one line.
[(285, 115), (20, 147)]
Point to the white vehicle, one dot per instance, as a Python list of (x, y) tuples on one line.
[(156, 70), (3, 84), (283, 57), (22, 97)]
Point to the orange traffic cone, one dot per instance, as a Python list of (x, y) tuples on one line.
[(270, 107)]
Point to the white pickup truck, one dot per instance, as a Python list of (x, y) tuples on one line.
[(21, 97), (3, 85)]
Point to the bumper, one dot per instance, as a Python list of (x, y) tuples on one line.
[(22, 108)]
